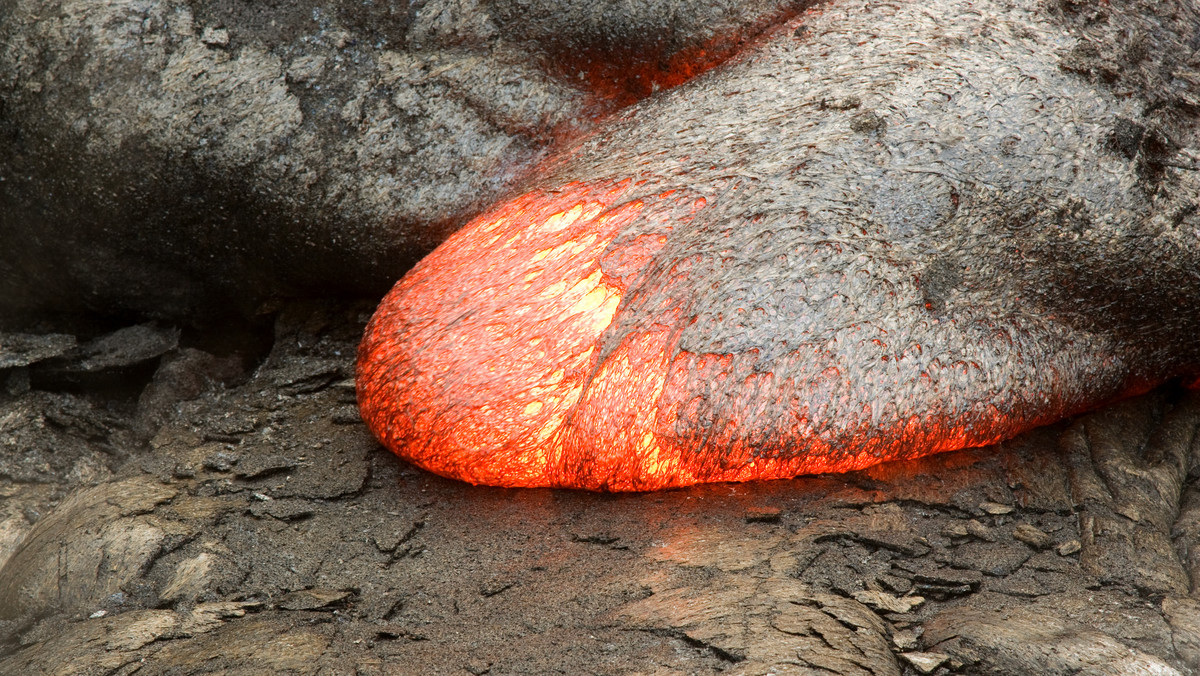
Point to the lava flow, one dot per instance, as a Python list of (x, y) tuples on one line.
[(475, 365), (830, 252), (496, 361)]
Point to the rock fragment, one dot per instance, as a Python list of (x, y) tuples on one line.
[(21, 349), (926, 663), (1032, 536)]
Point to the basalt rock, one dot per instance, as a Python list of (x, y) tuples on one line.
[(886, 230), (260, 532), (181, 158)]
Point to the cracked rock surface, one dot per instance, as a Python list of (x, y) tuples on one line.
[(251, 523), (187, 497), (176, 157)]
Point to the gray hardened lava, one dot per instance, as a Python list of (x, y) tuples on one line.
[(904, 229), (188, 158)]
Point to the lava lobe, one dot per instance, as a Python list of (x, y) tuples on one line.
[(833, 251)]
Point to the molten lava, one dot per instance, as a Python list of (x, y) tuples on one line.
[(475, 364), (496, 361), (834, 251)]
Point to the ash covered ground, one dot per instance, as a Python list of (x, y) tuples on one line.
[(175, 501)]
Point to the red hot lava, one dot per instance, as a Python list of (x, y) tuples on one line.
[(833, 251), (488, 362), (484, 362)]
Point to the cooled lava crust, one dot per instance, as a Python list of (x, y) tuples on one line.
[(833, 251)]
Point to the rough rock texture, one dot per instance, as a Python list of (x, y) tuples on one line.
[(262, 529), (175, 156), (210, 502), (887, 230)]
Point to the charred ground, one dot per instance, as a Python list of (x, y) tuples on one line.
[(229, 512)]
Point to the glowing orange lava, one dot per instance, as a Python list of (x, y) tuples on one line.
[(619, 75), (496, 361), (476, 359)]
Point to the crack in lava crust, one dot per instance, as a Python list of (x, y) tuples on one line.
[(475, 363)]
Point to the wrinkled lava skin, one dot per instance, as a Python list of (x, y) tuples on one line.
[(885, 231)]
